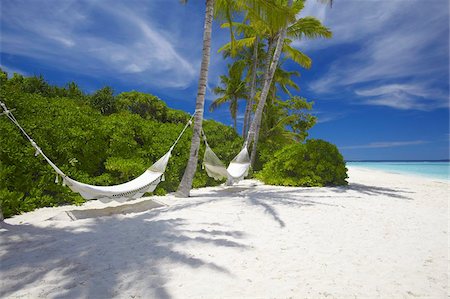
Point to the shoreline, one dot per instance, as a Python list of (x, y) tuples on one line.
[(409, 174), (384, 235)]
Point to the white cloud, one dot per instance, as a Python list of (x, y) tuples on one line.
[(405, 96), (397, 48), (115, 39), (385, 144), (349, 20)]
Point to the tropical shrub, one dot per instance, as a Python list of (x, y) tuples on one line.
[(314, 163)]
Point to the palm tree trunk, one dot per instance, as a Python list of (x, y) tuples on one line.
[(246, 117), (234, 111), (254, 128), (1, 214), (256, 124), (186, 182), (248, 108)]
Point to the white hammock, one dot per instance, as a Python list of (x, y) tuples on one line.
[(237, 169), (146, 182)]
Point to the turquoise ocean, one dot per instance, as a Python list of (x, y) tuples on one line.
[(436, 170)]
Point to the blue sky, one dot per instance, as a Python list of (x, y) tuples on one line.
[(380, 86)]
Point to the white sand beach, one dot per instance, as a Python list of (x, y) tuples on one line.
[(383, 236)]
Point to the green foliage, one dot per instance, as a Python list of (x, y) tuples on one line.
[(37, 85), (147, 106), (89, 144), (314, 163), (284, 123), (309, 27), (232, 89), (104, 100)]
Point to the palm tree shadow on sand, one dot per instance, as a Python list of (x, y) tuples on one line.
[(376, 191), (267, 199), (77, 262)]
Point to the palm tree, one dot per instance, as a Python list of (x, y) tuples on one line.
[(253, 28), (310, 28), (232, 90), (249, 50), (186, 182), (248, 107), (275, 115)]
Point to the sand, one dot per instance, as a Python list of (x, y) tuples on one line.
[(383, 236)]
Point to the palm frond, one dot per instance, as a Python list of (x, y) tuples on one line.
[(241, 28), (309, 27), (297, 56), (239, 44), (218, 102), (272, 12), (283, 122), (298, 6)]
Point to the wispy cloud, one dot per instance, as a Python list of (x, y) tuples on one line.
[(398, 50), (96, 38), (404, 96), (385, 144)]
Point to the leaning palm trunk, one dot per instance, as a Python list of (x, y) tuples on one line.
[(246, 117), (186, 182), (1, 214), (256, 123), (254, 131), (248, 108)]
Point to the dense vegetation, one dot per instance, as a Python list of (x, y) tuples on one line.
[(314, 163), (99, 139)]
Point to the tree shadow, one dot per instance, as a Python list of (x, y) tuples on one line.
[(297, 197), (104, 257), (266, 198), (268, 209), (376, 191)]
